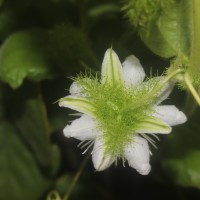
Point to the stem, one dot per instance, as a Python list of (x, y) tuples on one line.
[(53, 195), (195, 48), (194, 68), (190, 105), (154, 92), (76, 177), (192, 89), (167, 79)]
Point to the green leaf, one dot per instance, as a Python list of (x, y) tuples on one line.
[(100, 10), (164, 26), (1, 102), (23, 54), (55, 155), (1, 2), (182, 153), (21, 178), (68, 47), (30, 119), (8, 22)]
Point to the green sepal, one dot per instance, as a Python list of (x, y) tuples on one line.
[(80, 104), (111, 72), (153, 125)]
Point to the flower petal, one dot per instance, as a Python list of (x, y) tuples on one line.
[(83, 128), (75, 89), (79, 104), (133, 72), (111, 71), (153, 125), (170, 114), (137, 153), (78, 90), (100, 160), (165, 91)]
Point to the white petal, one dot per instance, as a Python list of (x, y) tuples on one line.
[(165, 91), (100, 160), (133, 72), (170, 114), (137, 154), (83, 128), (75, 89)]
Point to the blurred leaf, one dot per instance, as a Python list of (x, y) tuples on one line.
[(15, 18), (55, 159), (81, 190), (1, 103), (164, 26), (30, 118), (8, 22), (1, 2), (20, 178), (68, 46), (182, 151), (58, 120), (23, 54), (23, 14), (102, 9), (63, 184), (44, 13)]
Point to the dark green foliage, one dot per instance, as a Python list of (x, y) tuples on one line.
[(1, 103), (182, 154), (68, 46), (164, 26), (30, 118), (23, 54), (19, 172)]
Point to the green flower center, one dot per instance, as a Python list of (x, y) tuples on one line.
[(118, 110)]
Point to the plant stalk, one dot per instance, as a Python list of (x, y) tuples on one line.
[(195, 48)]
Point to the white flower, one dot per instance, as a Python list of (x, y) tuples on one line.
[(120, 113)]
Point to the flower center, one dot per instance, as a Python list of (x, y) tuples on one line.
[(119, 111)]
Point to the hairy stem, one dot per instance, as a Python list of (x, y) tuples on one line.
[(166, 80), (192, 89)]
